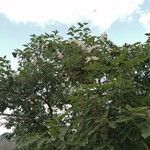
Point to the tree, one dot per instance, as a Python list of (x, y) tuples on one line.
[(79, 93)]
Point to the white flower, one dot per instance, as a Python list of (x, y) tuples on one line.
[(60, 55), (78, 42), (94, 58), (103, 36), (88, 59), (34, 60), (14, 74), (45, 45), (89, 49)]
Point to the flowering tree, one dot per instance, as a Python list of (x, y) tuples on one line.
[(79, 93)]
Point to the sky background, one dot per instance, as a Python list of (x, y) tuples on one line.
[(125, 21)]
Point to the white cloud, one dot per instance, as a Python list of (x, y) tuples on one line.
[(3, 121), (99, 12), (145, 20)]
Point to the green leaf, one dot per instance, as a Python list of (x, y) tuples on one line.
[(80, 24), (146, 131), (94, 130), (28, 140), (122, 119), (14, 54)]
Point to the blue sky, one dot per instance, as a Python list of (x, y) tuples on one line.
[(123, 20)]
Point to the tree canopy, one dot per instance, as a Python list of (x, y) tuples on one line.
[(80, 92)]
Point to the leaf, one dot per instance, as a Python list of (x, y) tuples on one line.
[(27, 140), (147, 34), (135, 61), (85, 23), (14, 54), (112, 125), (146, 131), (122, 119), (42, 141), (94, 130), (80, 24)]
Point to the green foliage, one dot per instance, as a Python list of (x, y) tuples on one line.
[(80, 93)]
